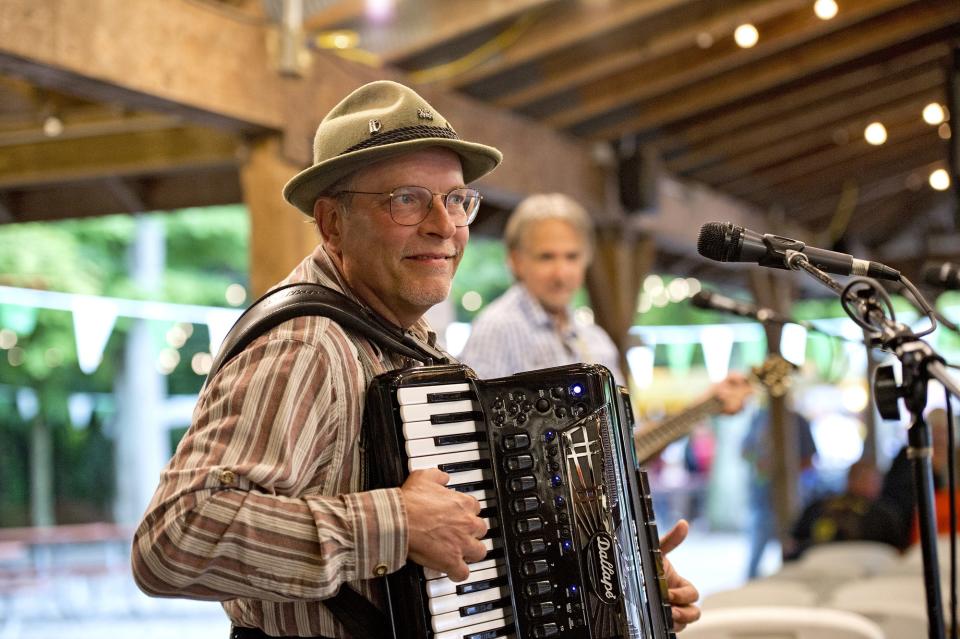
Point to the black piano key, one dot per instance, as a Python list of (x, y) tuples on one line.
[(459, 467), (453, 396), (484, 584), (492, 633), (472, 486), (462, 438), (453, 418), (486, 606)]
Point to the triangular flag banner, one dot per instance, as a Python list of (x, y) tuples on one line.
[(717, 343), (640, 361), (793, 344), (218, 325), (93, 321)]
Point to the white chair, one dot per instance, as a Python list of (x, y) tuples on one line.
[(896, 603), (847, 559), (762, 592), (782, 622)]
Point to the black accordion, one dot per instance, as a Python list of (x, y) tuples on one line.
[(573, 549)]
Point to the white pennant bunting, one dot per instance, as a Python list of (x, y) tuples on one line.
[(93, 321)]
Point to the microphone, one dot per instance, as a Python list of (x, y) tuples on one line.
[(725, 242), (717, 302), (942, 275)]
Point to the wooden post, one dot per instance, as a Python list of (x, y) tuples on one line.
[(280, 235)]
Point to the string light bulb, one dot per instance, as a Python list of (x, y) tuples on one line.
[(933, 114), (825, 9), (940, 180), (746, 35), (875, 133)]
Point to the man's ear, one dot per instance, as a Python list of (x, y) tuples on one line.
[(329, 219), (512, 256)]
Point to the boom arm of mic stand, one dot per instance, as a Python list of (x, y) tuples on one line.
[(919, 364)]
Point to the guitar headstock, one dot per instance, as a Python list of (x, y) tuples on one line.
[(775, 373)]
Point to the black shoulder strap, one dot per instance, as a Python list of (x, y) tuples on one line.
[(360, 617), (294, 300)]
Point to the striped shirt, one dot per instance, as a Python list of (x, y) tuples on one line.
[(515, 334), (261, 505)]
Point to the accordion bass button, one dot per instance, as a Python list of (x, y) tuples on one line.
[(535, 568), (530, 524), (523, 483), (533, 546), (517, 441), (540, 609), (546, 630), (539, 588)]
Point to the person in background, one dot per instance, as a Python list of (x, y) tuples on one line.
[(854, 515), (262, 506), (898, 490), (549, 242), (756, 450)]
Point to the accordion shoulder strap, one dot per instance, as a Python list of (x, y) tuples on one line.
[(294, 300)]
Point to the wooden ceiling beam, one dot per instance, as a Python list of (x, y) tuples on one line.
[(826, 172), (568, 69), (920, 20), (148, 152), (780, 149), (563, 29), (212, 69), (694, 65), (817, 121), (444, 21), (101, 123), (676, 140), (87, 198)]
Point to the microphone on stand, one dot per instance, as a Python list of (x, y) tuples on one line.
[(726, 242), (715, 301), (942, 275)]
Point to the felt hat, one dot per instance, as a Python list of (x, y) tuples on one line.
[(380, 120)]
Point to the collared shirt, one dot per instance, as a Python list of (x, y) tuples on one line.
[(515, 334), (260, 507)]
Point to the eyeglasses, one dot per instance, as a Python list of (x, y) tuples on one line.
[(409, 205)]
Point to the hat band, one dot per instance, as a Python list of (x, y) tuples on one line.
[(404, 134)]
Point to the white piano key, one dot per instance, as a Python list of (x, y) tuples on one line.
[(470, 476), (454, 620), (418, 394), (421, 429), (444, 586), (434, 461), (466, 631), (483, 564), (424, 447), (423, 412), (449, 603)]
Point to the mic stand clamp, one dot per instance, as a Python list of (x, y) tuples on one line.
[(919, 364)]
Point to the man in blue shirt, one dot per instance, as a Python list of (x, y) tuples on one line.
[(549, 239)]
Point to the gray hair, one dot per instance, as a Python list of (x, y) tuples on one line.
[(548, 206)]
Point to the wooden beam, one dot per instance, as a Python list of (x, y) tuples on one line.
[(568, 69), (417, 29), (818, 121), (280, 235), (694, 65), (842, 160), (565, 28), (92, 197), (773, 106), (779, 149), (209, 68), (925, 18), (149, 152)]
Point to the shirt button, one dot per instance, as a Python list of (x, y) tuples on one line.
[(227, 477), (381, 570)]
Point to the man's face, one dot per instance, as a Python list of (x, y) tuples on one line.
[(551, 262), (401, 271)]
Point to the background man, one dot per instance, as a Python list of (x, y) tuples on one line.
[(262, 506)]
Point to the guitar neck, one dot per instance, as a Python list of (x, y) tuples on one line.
[(653, 439)]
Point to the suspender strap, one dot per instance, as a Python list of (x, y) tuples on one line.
[(294, 300)]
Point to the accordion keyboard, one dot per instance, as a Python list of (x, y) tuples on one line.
[(572, 543)]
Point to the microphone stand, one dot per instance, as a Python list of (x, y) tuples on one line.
[(920, 363)]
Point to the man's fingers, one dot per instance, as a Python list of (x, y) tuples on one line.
[(474, 552), (683, 595), (458, 571), (676, 535)]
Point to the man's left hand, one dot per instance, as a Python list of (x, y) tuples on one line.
[(682, 594)]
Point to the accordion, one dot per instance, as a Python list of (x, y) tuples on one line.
[(573, 549)]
